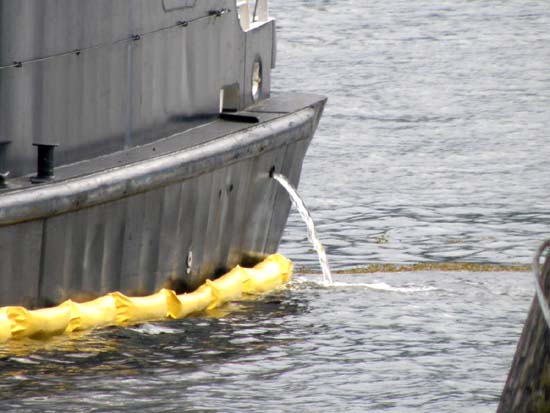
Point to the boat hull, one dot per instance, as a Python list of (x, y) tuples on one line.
[(170, 213)]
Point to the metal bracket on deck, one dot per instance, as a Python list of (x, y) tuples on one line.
[(235, 117), (44, 163), (3, 172)]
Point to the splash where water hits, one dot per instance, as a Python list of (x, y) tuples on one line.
[(327, 280)]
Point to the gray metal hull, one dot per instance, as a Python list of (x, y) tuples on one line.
[(98, 76), (170, 213), (152, 186)]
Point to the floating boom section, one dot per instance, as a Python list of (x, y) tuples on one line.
[(118, 309)]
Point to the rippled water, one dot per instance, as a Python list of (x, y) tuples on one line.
[(433, 148), (386, 342), (434, 143)]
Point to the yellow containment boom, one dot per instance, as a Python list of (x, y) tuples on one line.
[(39, 323), (131, 310), (101, 312), (117, 309), (228, 287), (194, 302), (5, 325), (269, 274)]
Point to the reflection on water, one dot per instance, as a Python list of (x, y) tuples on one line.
[(419, 341), (142, 365)]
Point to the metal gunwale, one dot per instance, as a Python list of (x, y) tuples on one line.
[(119, 182)]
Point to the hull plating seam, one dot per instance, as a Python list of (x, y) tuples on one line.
[(134, 38)]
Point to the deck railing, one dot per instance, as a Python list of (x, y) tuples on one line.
[(252, 13)]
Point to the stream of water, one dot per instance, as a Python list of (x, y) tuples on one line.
[(301, 208)]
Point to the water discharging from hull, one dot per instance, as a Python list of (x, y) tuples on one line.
[(312, 234)]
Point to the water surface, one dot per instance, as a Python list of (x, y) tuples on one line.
[(434, 142), (422, 341), (433, 149)]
